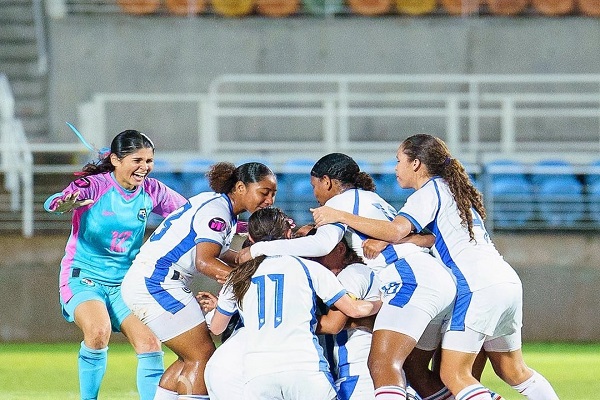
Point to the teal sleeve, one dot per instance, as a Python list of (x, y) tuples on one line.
[(49, 201)]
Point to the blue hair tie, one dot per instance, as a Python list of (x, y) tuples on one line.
[(102, 153)]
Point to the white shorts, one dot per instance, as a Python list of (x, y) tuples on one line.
[(290, 385), (493, 314), (223, 374), (415, 290), (169, 311)]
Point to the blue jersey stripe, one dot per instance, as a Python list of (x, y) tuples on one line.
[(409, 284)]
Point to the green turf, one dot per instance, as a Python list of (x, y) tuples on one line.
[(49, 371)]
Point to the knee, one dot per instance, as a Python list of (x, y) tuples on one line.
[(512, 373), (146, 344), (96, 336)]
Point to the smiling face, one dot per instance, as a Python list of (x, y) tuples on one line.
[(259, 194), (131, 170)]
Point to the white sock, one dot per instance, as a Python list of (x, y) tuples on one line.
[(164, 394), (536, 388), (474, 392), (390, 393), (442, 394)]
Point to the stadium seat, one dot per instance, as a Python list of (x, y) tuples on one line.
[(277, 8), (594, 175), (369, 7), (416, 7), (553, 7), (512, 202), (232, 8), (558, 193), (301, 191), (593, 200), (590, 8), (139, 7), (185, 7), (507, 7), (193, 176), (323, 7), (460, 7)]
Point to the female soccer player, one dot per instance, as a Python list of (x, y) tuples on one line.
[(276, 298), (416, 289), (111, 202), (194, 239), (488, 308)]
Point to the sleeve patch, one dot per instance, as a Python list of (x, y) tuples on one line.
[(82, 182), (217, 224)]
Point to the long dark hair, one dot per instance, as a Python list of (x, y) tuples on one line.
[(343, 168), (434, 154), (124, 144), (223, 176), (264, 225)]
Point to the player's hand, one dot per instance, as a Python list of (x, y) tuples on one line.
[(70, 202), (221, 277), (324, 215), (207, 301), (373, 247), (243, 255)]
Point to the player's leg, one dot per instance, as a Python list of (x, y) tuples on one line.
[(92, 318), (150, 365), (194, 348), (389, 349), (511, 368)]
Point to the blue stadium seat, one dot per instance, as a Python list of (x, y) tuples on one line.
[(193, 176), (558, 193), (512, 193), (294, 191)]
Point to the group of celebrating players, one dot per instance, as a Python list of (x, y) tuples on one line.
[(372, 303)]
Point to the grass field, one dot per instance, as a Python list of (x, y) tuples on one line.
[(49, 371)]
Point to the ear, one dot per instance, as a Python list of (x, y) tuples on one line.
[(239, 187), (114, 160), (288, 234), (416, 164), (250, 239), (327, 181)]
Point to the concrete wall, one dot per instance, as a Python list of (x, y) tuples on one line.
[(560, 274), (166, 54)]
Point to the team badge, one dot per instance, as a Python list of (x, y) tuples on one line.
[(217, 224), (142, 214), (88, 282), (82, 182)]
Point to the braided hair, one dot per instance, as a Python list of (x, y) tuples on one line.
[(435, 155)]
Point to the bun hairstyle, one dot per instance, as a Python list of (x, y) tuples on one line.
[(223, 176)]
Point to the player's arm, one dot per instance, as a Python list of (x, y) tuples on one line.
[(208, 262), (389, 231), (332, 322), (357, 308), (64, 202), (219, 322)]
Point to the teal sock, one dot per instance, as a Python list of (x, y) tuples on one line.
[(149, 370), (92, 366)]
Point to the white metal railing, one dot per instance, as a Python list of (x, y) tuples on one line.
[(17, 159), (479, 116)]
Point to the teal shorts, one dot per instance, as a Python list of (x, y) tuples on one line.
[(85, 289)]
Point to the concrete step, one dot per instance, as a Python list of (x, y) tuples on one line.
[(17, 33), (19, 70), (21, 13), (35, 87), (25, 51)]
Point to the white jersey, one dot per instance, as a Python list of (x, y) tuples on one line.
[(279, 315), (169, 254), (352, 346), (476, 264), (356, 201)]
